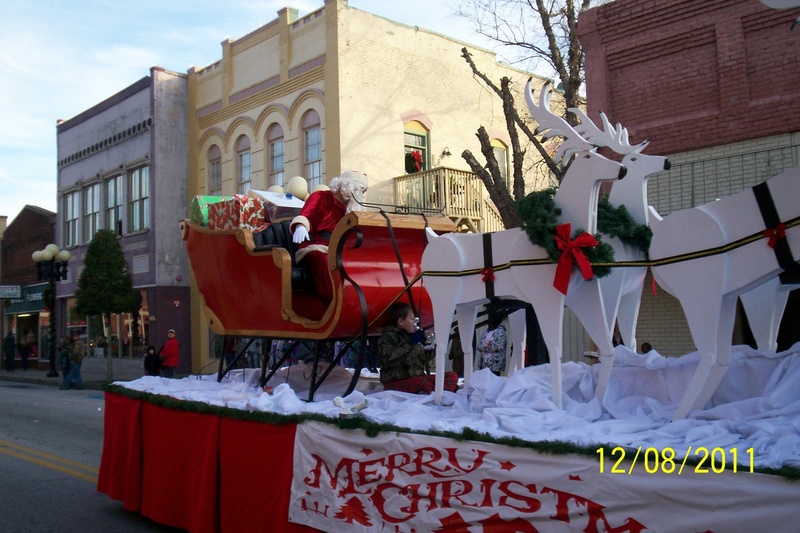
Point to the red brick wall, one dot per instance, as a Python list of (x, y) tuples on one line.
[(31, 230), (690, 74)]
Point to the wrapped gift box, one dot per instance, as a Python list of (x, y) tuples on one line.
[(277, 205), (240, 211), (198, 208)]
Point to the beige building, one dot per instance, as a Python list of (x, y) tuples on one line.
[(343, 89)]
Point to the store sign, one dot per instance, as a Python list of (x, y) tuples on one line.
[(10, 291), (30, 300)]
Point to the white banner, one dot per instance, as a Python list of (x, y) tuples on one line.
[(403, 483)]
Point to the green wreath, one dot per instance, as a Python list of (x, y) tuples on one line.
[(617, 222), (539, 216)]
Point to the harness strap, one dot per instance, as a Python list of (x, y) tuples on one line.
[(488, 267), (791, 269)]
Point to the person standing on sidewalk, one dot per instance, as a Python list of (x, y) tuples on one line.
[(152, 362), (76, 353), (9, 351), (24, 347), (169, 355)]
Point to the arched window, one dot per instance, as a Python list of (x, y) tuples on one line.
[(214, 171), (275, 154), (312, 148), (501, 154), (242, 164), (416, 139)]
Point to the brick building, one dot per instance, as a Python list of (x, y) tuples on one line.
[(31, 230), (716, 86)]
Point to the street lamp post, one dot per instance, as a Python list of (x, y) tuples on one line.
[(51, 266)]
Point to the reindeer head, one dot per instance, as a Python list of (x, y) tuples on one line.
[(633, 191), (616, 138)]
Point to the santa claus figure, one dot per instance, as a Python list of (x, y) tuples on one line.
[(312, 228)]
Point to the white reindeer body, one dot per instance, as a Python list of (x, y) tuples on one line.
[(455, 269), (707, 286), (620, 291)]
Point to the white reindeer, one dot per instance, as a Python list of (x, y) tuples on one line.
[(708, 284), (457, 275), (622, 288)]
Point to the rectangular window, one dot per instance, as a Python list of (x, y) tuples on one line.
[(244, 173), (114, 191), (415, 142), (501, 154), (313, 156), (215, 178), (276, 163), (91, 211), (139, 203), (71, 219)]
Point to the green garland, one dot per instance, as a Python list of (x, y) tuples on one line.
[(539, 216), (372, 429), (617, 222)]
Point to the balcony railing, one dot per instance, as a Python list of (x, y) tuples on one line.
[(457, 194)]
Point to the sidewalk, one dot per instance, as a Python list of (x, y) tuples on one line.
[(93, 373)]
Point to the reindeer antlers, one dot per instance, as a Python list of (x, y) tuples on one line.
[(614, 138), (553, 124)]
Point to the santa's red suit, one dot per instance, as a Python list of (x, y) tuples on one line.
[(320, 214)]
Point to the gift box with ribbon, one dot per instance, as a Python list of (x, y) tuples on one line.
[(198, 208), (240, 211)]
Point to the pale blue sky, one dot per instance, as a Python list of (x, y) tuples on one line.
[(60, 57)]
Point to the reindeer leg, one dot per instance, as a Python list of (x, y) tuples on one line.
[(585, 298), (516, 323), (722, 362), (628, 313), (549, 307), (764, 306), (443, 295), (467, 315), (711, 323)]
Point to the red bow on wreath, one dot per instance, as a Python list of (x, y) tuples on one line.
[(773, 234), (571, 253)]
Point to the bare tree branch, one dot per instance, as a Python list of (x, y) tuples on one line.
[(503, 202), (554, 168)]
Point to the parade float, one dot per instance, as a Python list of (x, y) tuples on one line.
[(704, 442)]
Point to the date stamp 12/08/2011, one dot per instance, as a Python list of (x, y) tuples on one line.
[(704, 460)]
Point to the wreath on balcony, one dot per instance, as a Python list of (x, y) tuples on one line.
[(413, 162), (539, 216)]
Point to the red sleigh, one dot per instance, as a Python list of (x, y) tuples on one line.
[(252, 287)]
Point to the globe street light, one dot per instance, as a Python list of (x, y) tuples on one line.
[(51, 266)]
